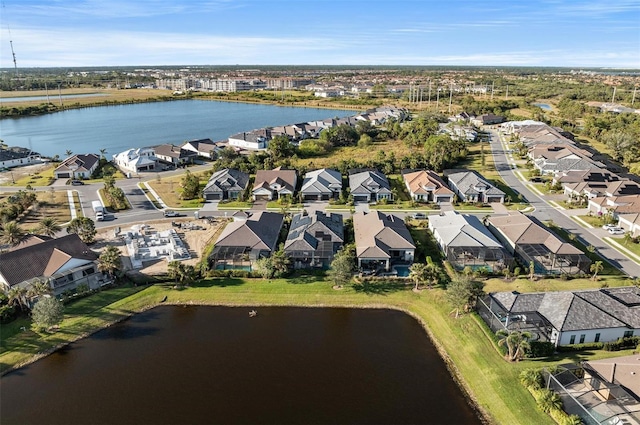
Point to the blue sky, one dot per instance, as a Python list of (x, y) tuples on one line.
[(572, 33)]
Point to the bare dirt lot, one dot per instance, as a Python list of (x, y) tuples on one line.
[(194, 240)]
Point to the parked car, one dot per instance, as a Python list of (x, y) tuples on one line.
[(171, 213), (616, 231), (77, 182), (609, 226), (419, 216)]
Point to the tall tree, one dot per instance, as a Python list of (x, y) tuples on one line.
[(190, 185), (11, 233), (84, 227), (110, 261), (18, 297), (48, 226), (47, 312), (280, 148), (342, 266)]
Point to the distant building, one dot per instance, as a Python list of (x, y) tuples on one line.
[(253, 140), (174, 155)]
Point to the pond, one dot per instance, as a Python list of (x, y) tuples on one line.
[(209, 365)]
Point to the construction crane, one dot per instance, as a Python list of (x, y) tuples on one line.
[(13, 53)]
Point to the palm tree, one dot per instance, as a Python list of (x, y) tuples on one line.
[(517, 343), (38, 288), (11, 233), (531, 378), (109, 261), (549, 400), (418, 273), (18, 297), (103, 152), (68, 152), (532, 270), (48, 226), (596, 268)]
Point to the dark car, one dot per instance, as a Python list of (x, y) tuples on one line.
[(76, 183)]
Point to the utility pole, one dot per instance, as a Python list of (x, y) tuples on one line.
[(450, 95), (429, 93), (47, 89), (438, 99), (59, 94), (492, 85), (506, 96), (613, 98)]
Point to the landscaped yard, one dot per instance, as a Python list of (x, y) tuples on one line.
[(629, 244)]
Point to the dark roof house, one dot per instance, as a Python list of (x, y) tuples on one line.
[(314, 239)]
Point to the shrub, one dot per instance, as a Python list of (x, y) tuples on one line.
[(541, 349), (580, 347)]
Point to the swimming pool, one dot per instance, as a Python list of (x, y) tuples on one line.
[(402, 271)]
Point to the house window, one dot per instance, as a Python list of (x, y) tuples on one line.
[(597, 338), (628, 334), (582, 338), (572, 340)]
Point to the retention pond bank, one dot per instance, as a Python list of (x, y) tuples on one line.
[(198, 364)]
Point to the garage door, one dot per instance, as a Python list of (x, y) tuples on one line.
[(310, 197), (493, 199), (262, 197), (64, 175), (212, 196)]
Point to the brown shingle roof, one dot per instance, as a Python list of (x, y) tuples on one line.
[(42, 259)]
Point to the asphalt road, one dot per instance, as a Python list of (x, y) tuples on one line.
[(545, 212)]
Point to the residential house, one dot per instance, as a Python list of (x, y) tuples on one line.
[(63, 263), (382, 241), (314, 239), (470, 186), (174, 155), (245, 241), (252, 140), (529, 241), (487, 119), (615, 205), (534, 133), (621, 371), (205, 148), (579, 176), (554, 159), (78, 166), (567, 317), (426, 186), (466, 242), (369, 186), (17, 157), (274, 184), (323, 184), (597, 189), (630, 223), (136, 160), (225, 184)]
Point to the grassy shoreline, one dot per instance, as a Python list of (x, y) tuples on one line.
[(488, 380)]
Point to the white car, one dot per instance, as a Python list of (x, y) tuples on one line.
[(616, 231), (609, 226), (171, 213)]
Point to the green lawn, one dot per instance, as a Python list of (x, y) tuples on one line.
[(629, 244)]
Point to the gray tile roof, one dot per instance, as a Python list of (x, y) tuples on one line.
[(226, 180), (370, 181), (324, 181), (306, 230), (579, 310), (468, 181)]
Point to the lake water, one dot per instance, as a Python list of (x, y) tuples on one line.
[(216, 365), (544, 106), (117, 128)]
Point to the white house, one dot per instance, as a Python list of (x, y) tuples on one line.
[(77, 167), (253, 140), (136, 160)]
